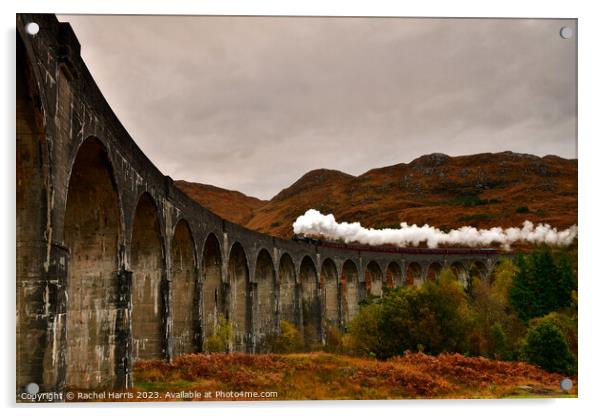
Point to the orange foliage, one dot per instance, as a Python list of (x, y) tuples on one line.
[(331, 376)]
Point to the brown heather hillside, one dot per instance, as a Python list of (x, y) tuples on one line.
[(233, 206), (483, 190)]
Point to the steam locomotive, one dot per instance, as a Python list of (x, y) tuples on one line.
[(394, 250)]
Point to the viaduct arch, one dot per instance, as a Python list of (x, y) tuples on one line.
[(115, 263)]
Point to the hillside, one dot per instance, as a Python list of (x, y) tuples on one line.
[(233, 206), (483, 190), (321, 376)]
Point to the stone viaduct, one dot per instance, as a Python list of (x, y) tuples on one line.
[(115, 264)]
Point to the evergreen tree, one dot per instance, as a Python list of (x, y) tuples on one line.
[(542, 284), (521, 297), (566, 282)]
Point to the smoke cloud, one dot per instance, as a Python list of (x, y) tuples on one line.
[(315, 224)]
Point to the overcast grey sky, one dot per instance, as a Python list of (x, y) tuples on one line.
[(253, 103)]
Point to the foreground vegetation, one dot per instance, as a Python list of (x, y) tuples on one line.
[(514, 335), (527, 311), (332, 376)]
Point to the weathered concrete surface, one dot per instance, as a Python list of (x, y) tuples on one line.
[(374, 275), (330, 296), (114, 263), (287, 302), (393, 275), (213, 297), (265, 298), (351, 291), (240, 300), (184, 293), (91, 236), (148, 283)]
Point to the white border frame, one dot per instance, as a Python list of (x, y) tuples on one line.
[(589, 70)]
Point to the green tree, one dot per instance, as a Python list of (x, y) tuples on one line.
[(544, 283), (364, 329), (566, 282), (433, 318), (497, 331), (546, 346), (501, 280)]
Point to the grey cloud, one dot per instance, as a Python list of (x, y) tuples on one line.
[(252, 103)]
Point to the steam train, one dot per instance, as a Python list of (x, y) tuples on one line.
[(394, 250)]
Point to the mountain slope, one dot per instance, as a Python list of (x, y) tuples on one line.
[(483, 190), (233, 206)]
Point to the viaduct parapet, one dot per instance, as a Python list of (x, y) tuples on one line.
[(116, 264)]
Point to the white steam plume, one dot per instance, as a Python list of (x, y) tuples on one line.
[(314, 224)]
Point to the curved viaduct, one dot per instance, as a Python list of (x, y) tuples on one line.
[(115, 264)]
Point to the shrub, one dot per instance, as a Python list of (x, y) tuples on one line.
[(522, 210), (221, 338), (566, 324), (364, 331), (499, 343), (433, 318), (546, 346), (288, 340)]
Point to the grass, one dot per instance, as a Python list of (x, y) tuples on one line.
[(323, 376)]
